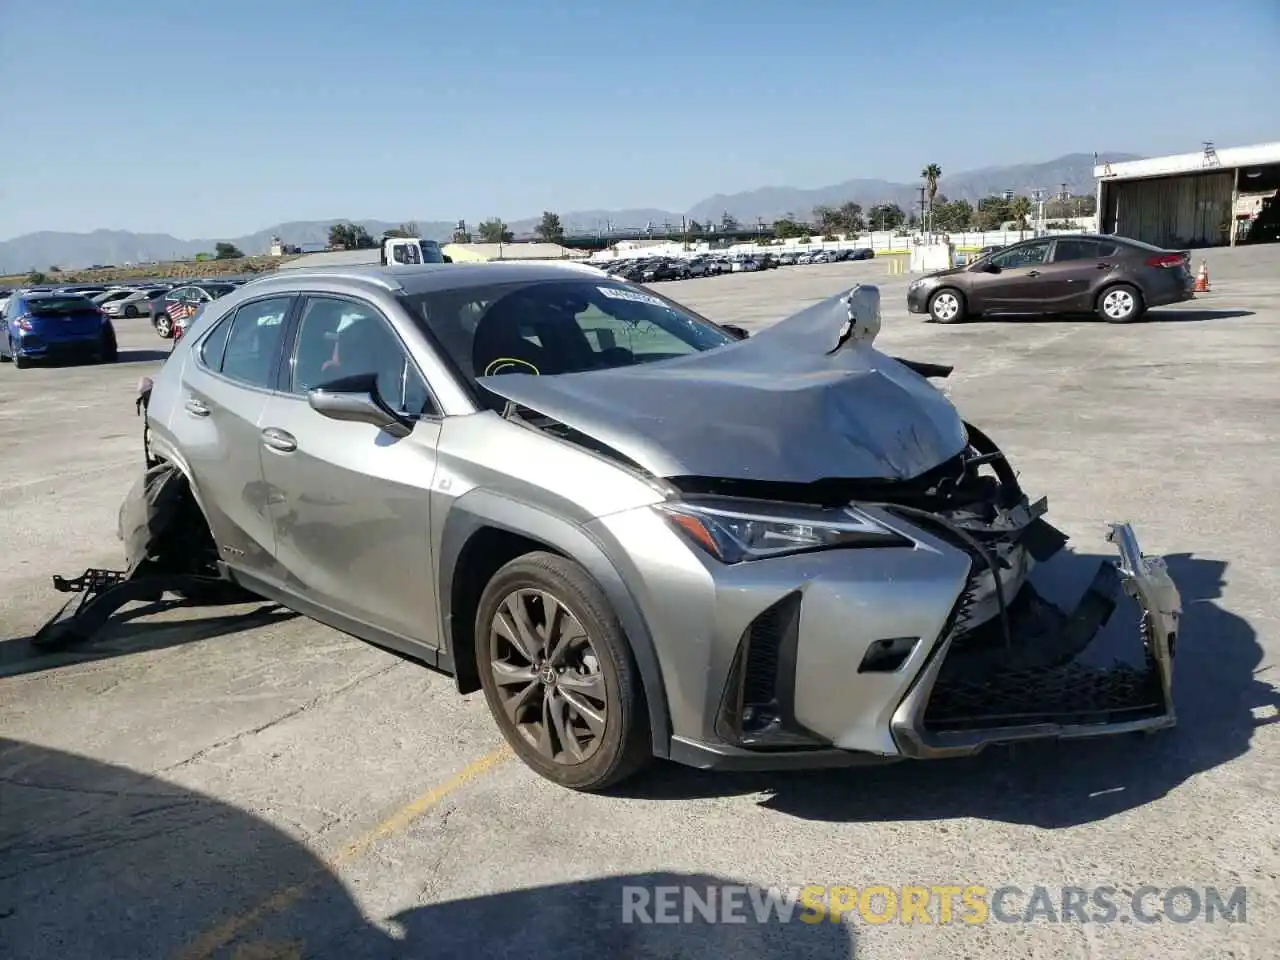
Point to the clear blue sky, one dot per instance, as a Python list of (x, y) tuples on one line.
[(217, 119)]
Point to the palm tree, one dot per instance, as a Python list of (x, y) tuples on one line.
[(1019, 210), (931, 175)]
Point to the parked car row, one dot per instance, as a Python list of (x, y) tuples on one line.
[(652, 269)]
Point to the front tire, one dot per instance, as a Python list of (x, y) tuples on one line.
[(130, 311), (947, 306), (164, 326), (558, 674), (1120, 303)]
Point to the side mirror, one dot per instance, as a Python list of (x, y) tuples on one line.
[(732, 328), (355, 400)]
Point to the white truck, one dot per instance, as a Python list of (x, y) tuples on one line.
[(392, 250)]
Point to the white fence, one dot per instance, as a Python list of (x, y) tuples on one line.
[(882, 242)]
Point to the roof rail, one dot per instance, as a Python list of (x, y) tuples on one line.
[(331, 273)]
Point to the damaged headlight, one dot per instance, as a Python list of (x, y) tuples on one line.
[(733, 531)]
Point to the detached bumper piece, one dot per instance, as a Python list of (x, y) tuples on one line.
[(100, 593), (1041, 679)]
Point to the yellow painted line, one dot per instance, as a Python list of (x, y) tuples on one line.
[(213, 940)]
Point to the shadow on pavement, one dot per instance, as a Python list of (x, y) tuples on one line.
[(121, 636), (98, 861), (1048, 785), (141, 356), (1155, 315)]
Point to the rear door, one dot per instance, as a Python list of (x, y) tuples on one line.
[(350, 502), (1073, 273), (226, 383)]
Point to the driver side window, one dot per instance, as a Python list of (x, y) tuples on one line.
[(1022, 256)]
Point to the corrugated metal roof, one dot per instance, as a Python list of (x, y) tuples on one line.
[(333, 258), (1226, 158)]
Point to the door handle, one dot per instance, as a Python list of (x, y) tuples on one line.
[(279, 440), (1104, 266), (1033, 273), (196, 408)]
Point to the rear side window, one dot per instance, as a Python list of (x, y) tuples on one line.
[(252, 340), (59, 306), (1075, 250), (214, 343)]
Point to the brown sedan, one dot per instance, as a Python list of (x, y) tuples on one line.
[(1114, 277)]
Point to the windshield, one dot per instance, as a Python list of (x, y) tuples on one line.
[(559, 326)]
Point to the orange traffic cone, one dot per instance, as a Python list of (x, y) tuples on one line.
[(1202, 281)]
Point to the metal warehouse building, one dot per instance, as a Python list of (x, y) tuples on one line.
[(1206, 199)]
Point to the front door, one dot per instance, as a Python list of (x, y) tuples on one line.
[(350, 502), (1018, 286), (217, 420)]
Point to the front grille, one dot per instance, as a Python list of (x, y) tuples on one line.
[(990, 680)]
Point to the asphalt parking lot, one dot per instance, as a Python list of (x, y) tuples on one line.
[(251, 785)]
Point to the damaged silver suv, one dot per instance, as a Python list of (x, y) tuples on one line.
[(637, 531)]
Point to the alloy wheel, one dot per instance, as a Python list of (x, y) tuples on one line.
[(547, 675), (1118, 304), (946, 306)]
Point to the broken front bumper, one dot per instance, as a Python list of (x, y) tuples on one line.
[(989, 684)]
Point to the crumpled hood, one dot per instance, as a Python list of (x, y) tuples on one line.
[(787, 405)]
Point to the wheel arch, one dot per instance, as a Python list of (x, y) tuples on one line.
[(482, 532)]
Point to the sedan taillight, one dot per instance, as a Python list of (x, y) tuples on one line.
[(1166, 260)]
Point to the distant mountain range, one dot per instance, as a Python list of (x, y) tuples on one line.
[(76, 250)]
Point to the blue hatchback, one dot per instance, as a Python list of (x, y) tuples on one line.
[(42, 325)]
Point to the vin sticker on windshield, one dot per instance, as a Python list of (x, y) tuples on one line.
[(613, 293)]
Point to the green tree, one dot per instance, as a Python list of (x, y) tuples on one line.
[(992, 212), (460, 233), (1019, 210), (931, 173), (849, 218), (226, 251), (36, 277), (407, 231), (550, 228), (826, 218), (55, 269), (953, 217), (494, 230), (784, 228), (885, 216), (350, 236)]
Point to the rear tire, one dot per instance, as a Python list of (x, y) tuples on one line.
[(1120, 303), (947, 306), (110, 352), (130, 311), (19, 363), (571, 705), (164, 326)]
